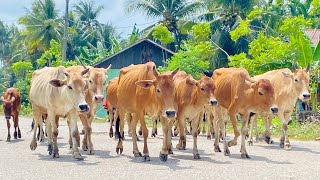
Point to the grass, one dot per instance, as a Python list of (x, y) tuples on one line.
[(298, 131)]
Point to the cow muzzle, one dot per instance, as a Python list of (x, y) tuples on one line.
[(8, 117), (170, 113), (274, 110), (98, 98), (213, 102), (305, 97), (84, 107)]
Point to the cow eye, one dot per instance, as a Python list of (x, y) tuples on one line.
[(90, 81), (296, 80), (69, 87), (260, 93), (202, 89), (158, 90)]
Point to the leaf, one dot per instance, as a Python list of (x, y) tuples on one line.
[(306, 51)]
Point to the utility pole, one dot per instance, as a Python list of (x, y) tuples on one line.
[(65, 34)]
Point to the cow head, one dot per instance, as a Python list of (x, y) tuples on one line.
[(164, 90), (206, 89), (74, 86), (301, 80), (96, 81), (7, 105), (264, 96)]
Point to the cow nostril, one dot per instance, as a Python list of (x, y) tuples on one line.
[(95, 98), (274, 110), (170, 113), (213, 102), (306, 95)]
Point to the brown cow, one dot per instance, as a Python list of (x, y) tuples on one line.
[(237, 95), (192, 96), (96, 80), (11, 107), (296, 87), (56, 92), (143, 91)]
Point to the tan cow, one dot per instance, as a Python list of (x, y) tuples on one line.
[(11, 107), (144, 91), (236, 95), (96, 79), (55, 92), (288, 87), (192, 96)]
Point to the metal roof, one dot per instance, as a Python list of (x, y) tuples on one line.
[(314, 35)]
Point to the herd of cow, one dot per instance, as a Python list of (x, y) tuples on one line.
[(228, 93)]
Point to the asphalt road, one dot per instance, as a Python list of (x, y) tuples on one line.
[(17, 161)]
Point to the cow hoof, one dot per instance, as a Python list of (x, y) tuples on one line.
[(55, 155), (119, 150), (153, 135), (227, 152), (140, 132), (116, 136), (231, 143), (138, 139), (271, 141), (8, 139), (91, 152), (170, 151), (208, 137), (129, 134), (77, 156), (70, 147), (268, 140), (19, 134), (50, 149), (111, 134), (188, 133), (163, 157), (175, 134), (281, 144), (15, 135), (85, 148), (33, 146), (287, 146), (146, 158), (217, 149), (196, 156), (82, 132), (137, 154), (179, 146), (250, 142), (245, 156)]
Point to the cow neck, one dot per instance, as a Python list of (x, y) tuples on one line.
[(290, 91), (195, 97)]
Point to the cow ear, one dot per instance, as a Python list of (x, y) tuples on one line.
[(294, 67), (287, 74), (57, 83), (155, 72), (85, 71), (146, 84)]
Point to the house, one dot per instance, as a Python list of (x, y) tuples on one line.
[(139, 52)]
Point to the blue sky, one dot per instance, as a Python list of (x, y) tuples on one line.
[(113, 12)]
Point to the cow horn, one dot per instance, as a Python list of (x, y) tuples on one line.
[(294, 67), (174, 72), (108, 68), (308, 68), (85, 68), (155, 72)]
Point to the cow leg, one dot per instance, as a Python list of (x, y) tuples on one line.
[(120, 117), (210, 120), (217, 121), (134, 135), (54, 135), (36, 117), (129, 120), (176, 129), (203, 120), (15, 125), (253, 120), (89, 130), (267, 134), (154, 126), (236, 132), (244, 131), (111, 119), (8, 127), (165, 128), (169, 133), (145, 137), (72, 118), (195, 124), (181, 126), (284, 142)]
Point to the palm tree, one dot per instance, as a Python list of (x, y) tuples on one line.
[(42, 24), (170, 11), (5, 42), (88, 13)]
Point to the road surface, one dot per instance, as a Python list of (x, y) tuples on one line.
[(17, 161)]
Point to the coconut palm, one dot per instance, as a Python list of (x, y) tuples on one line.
[(170, 11), (88, 13), (42, 24)]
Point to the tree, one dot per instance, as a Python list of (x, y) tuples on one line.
[(41, 25), (169, 10)]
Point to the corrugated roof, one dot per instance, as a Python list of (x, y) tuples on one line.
[(122, 50), (314, 35)]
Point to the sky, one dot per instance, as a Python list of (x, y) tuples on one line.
[(114, 12)]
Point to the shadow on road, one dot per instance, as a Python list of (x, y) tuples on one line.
[(276, 146), (67, 159), (258, 158)]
